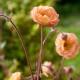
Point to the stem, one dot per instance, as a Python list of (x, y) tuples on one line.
[(69, 77), (40, 55), (60, 68), (29, 78), (48, 36), (0, 34), (22, 41)]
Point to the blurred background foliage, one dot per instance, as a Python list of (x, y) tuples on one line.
[(12, 57)]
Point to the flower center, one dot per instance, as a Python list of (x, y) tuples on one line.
[(67, 46), (42, 14)]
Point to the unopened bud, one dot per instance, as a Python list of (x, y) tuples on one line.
[(68, 70), (47, 68), (70, 78), (17, 76)]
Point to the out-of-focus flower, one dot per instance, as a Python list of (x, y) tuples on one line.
[(47, 68), (17, 76), (67, 45), (2, 57), (68, 69), (45, 16)]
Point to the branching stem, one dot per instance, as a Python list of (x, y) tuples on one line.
[(41, 51)]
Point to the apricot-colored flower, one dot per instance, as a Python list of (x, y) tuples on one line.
[(47, 68), (17, 76), (67, 45), (45, 16)]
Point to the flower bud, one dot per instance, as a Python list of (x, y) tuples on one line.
[(68, 70), (47, 68), (17, 76)]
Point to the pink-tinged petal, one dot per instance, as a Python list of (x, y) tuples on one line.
[(67, 48), (17, 76), (47, 68), (68, 69), (45, 16)]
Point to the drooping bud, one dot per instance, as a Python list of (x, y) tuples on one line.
[(68, 70), (17, 76), (47, 68)]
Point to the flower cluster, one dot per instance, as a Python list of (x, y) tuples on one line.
[(66, 43), (46, 15)]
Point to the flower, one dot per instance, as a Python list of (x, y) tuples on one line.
[(68, 69), (17, 76), (67, 45), (45, 16), (47, 68)]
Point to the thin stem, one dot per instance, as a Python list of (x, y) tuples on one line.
[(40, 55), (29, 78), (60, 68), (0, 34), (22, 41), (69, 77), (48, 36)]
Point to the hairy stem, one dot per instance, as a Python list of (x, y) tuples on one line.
[(48, 35), (60, 68), (0, 35), (40, 55), (22, 41)]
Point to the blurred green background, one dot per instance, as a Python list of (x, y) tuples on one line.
[(12, 57)]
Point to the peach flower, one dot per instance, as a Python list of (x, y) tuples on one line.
[(67, 45), (47, 68), (45, 16), (17, 76)]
